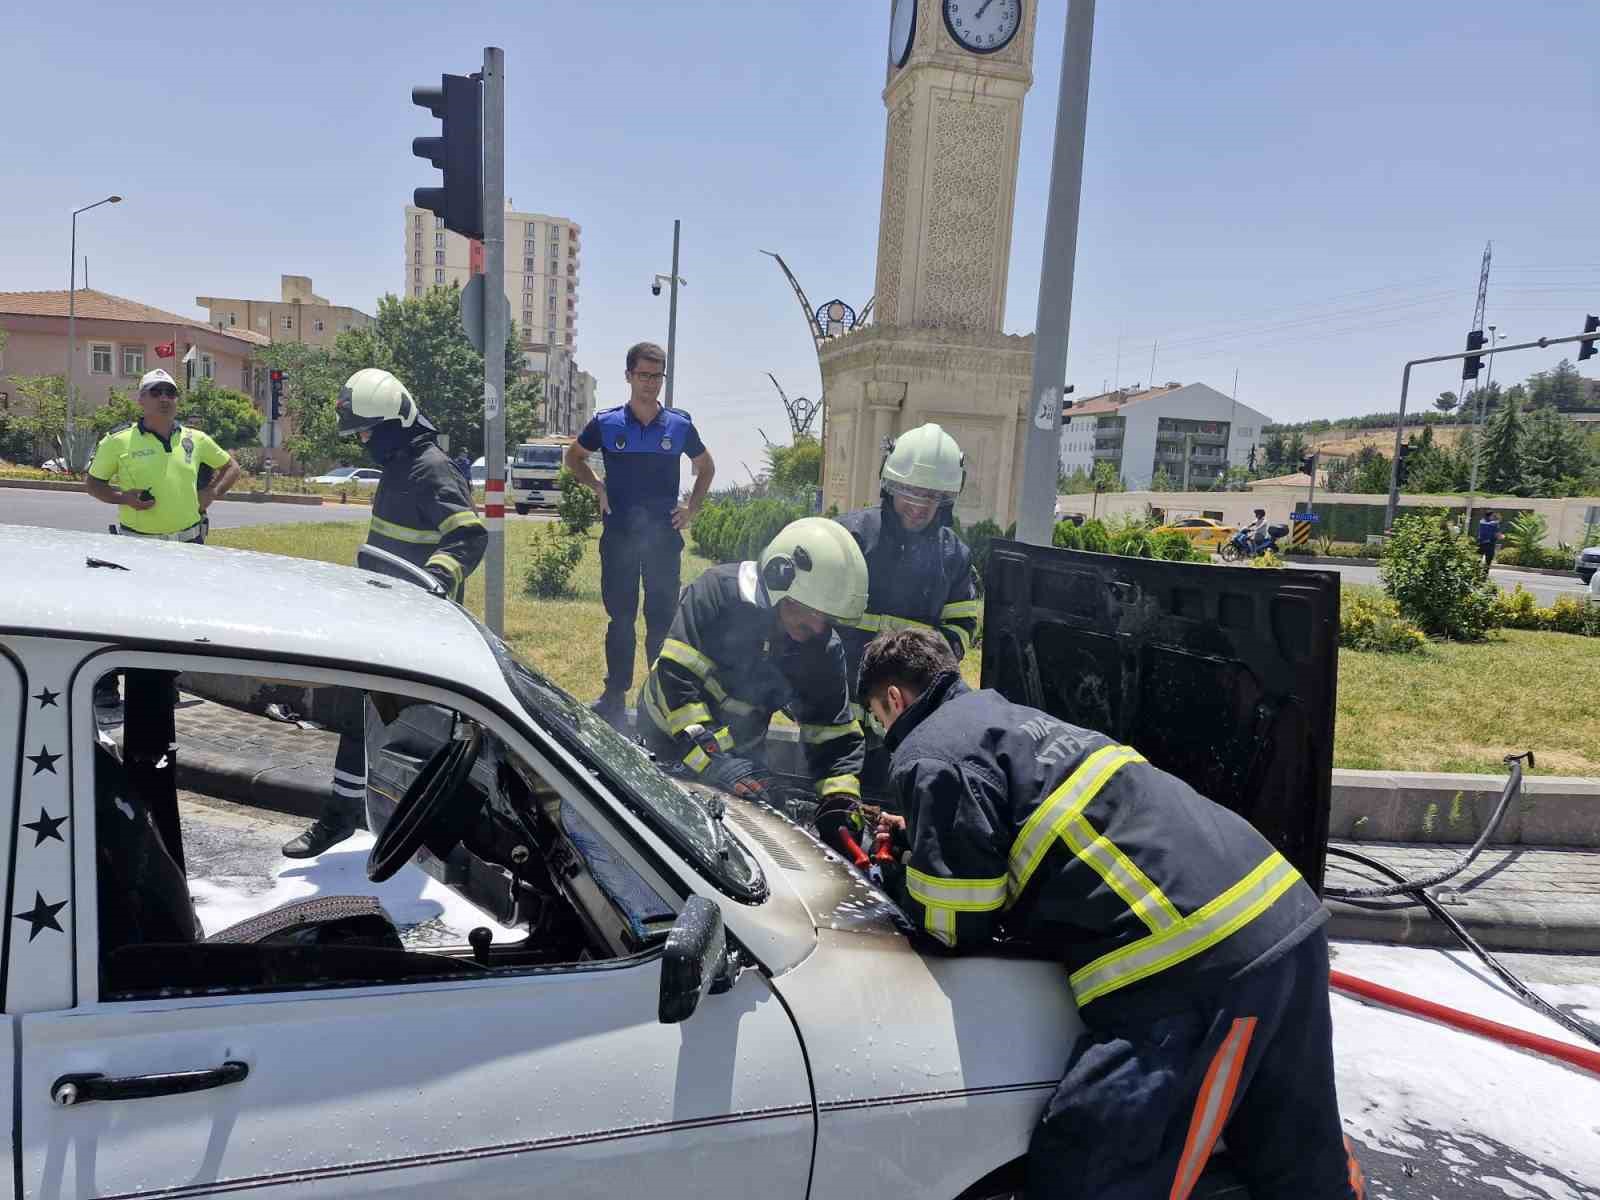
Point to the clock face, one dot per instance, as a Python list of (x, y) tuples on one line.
[(983, 26), (902, 28)]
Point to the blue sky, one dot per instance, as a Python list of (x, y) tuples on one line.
[(1297, 192)]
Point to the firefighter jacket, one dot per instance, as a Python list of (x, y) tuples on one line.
[(914, 581), (1024, 825), (423, 510), (727, 665)]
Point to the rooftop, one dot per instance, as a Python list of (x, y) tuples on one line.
[(102, 306), (1110, 402)]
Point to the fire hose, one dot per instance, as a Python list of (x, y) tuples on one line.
[(1414, 890)]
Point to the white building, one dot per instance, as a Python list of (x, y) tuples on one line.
[(1137, 432)]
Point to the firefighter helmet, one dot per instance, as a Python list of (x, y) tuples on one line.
[(925, 463), (816, 562), (372, 396)]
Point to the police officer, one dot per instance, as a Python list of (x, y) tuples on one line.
[(423, 512), (1196, 953), (919, 572), (640, 443), (751, 638)]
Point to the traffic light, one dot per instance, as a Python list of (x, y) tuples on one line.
[(458, 103), (1403, 470), (1471, 366), (276, 378), (1586, 347), (1308, 464)]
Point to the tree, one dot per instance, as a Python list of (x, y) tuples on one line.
[(119, 409), (1294, 450), (1500, 465), (524, 409), (1078, 483), (39, 411), (1446, 402), (1562, 388), (1274, 451), (793, 468), (1161, 481), (1106, 479), (311, 383), (1369, 472), (231, 418), (1556, 459)]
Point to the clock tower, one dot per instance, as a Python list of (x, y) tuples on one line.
[(955, 78)]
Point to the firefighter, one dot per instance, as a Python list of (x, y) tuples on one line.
[(751, 638), (423, 512), (1195, 952), (919, 572)]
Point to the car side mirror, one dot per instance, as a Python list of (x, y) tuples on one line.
[(694, 958)]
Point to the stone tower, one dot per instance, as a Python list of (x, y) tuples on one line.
[(935, 351)]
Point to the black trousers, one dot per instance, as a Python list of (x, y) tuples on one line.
[(637, 545), (1143, 1103)]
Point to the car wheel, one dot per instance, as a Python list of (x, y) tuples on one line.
[(1586, 576), (522, 510)]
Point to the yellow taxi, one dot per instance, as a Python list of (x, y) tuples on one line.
[(1202, 531)]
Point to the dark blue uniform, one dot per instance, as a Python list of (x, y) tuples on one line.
[(638, 540), (1194, 950)]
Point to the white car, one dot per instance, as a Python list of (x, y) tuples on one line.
[(1587, 562), (348, 476), (666, 992)]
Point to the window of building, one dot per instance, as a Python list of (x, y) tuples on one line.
[(208, 367), (133, 360), (416, 274), (527, 319), (288, 323), (416, 290), (438, 276), (438, 241), (261, 323), (527, 266), (438, 258), (99, 359), (438, 223), (316, 326), (233, 319)]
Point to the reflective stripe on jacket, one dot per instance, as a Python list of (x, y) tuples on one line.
[(423, 512), (914, 580), (1024, 825), (727, 665)]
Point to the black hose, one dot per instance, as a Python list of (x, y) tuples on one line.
[(1510, 792), (1590, 1033)]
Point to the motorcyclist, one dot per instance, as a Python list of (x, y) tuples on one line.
[(1256, 531), (423, 512), (749, 639)]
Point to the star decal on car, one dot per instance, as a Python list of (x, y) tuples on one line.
[(40, 916), (47, 698), (44, 760), (46, 827)]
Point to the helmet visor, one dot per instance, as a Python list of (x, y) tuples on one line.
[(920, 495), (349, 420)]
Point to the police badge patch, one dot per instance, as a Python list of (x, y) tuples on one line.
[(188, 449), (666, 443), (622, 442)]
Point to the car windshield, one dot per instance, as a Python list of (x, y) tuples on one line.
[(538, 456), (671, 810)]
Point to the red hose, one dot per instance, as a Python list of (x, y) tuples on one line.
[(1577, 1056)]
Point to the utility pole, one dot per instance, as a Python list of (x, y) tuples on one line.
[(495, 319), (1036, 497), (68, 448), (1188, 449)]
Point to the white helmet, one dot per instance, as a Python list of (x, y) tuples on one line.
[(925, 463), (817, 562), (372, 396)]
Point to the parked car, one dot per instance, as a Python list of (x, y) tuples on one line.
[(1587, 562), (685, 986), (350, 476), (1202, 531), (480, 471)]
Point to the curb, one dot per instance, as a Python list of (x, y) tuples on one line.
[(51, 485), (296, 789), (1513, 925), (1445, 809)]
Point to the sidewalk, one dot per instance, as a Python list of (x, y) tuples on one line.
[(1513, 897)]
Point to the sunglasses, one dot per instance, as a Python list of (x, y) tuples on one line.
[(163, 390)]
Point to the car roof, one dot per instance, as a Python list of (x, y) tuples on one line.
[(259, 604)]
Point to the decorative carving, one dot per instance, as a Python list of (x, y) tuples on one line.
[(841, 446), (892, 220), (964, 209)]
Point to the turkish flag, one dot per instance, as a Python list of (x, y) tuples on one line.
[(166, 350)]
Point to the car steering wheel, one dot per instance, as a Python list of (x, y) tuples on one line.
[(423, 816)]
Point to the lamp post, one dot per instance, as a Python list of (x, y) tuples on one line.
[(72, 328), (672, 311)]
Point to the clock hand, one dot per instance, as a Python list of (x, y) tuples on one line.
[(982, 8)]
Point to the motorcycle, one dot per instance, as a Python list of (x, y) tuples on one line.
[(1244, 545)]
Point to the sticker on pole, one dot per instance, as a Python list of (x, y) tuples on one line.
[(1048, 408), (491, 402)]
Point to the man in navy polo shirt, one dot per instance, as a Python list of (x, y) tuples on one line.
[(640, 443)]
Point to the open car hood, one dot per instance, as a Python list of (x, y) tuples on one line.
[(1224, 676)]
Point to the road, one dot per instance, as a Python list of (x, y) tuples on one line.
[(76, 510), (1545, 588)]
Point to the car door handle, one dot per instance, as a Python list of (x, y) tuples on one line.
[(77, 1089)]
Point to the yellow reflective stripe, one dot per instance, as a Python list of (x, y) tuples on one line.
[(448, 562), (404, 533), (884, 623), (856, 711), (673, 720), (688, 657), (840, 785), (961, 635), (959, 608), (940, 923), (739, 708), (958, 895), (1194, 934), (697, 760), (718, 692), (725, 738), (1067, 801), (1138, 892), (457, 520), (813, 735)]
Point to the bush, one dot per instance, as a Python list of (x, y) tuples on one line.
[(730, 530), (1066, 536), (978, 539), (1094, 536), (1268, 560), (1175, 547), (1525, 534), (1375, 623), (1518, 610), (578, 508), (552, 557), (1437, 579), (1134, 543)]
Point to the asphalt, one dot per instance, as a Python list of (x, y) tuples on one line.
[(1518, 895), (1546, 589)]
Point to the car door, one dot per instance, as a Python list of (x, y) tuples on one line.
[(16, 707), (560, 1080)]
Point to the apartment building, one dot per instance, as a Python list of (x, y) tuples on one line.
[(1195, 432), (543, 256), (298, 315)]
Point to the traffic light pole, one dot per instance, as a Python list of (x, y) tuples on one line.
[(1405, 386), (495, 333)]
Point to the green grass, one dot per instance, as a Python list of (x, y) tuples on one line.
[(1450, 708)]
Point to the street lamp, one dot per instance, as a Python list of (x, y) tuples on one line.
[(72, 328), (672, 311)]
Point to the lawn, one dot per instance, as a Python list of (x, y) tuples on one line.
[(1449, 708)]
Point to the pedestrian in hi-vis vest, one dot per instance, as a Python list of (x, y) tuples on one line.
[(423, 512), (1196, 953)]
